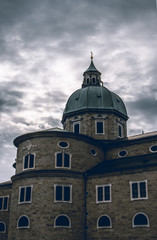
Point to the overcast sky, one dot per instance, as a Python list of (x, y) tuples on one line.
[(45, 47)]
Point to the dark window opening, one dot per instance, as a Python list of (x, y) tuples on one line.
[(93, 152), (139, 190), (104, 221), (119, 131), (29, 161), (2, 227), (63, 193), (62, 221), (23, 222), (122, 153), (153, 148), (103, 193), (3, 203), (77, 128), (99, 127), (140, 220), (94, 80), (58, 193), (25, 194), (63, 160), (63, 144)]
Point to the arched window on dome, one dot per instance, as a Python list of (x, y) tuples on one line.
[(140, 220), (120, 130), (93, 80), (28, 162), (87, 80), (99, 127), (2, 227), (62, 160), (77, 127), (23, 222), (62, 221), (104, 221)]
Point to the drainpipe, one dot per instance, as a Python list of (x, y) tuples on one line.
[(85, 204)]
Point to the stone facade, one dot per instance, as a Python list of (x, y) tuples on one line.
[(88, 183)]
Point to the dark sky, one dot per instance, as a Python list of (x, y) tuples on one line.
[(45, 48)]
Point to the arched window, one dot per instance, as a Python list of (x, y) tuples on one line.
[(120, 130), (28, 161), (104, 221), (2, 227), (93, 80), (62, 221), (63, 160), (140, 220), (23, 222)]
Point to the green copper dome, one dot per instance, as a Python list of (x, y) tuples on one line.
[(94, 98)]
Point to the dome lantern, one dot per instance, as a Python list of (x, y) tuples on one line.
[(92, 77)]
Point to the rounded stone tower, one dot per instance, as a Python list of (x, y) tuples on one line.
[(48, 188), (94, 110)]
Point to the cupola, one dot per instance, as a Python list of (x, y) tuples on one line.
[(92, 77), (94, 110)]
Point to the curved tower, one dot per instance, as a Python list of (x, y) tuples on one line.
[(94, 110)]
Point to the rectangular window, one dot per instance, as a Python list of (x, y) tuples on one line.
[(99, 127), (120, 130), (4, 203), (76, 127), (138, 190), (63, 193), (62, 160), (103, 193), (29, 161), (25, 194)]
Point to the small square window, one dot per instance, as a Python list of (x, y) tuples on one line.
[(103, 193), (62, 193), (138, 190)]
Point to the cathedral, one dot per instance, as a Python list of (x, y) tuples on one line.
[(87, 181)]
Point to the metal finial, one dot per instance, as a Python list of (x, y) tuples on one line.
[(91, 56)]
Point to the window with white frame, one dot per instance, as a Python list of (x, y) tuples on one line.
[(62, 160), (140, 220), (104, 221), (62, 221), (62, 193), (28, 161), (76, 127), (138, 190), (99, 125), (4, 203), (25, 194), (23, 222), (2, 227), (103, 193)]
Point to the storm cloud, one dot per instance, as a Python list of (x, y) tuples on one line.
[(45, 48)]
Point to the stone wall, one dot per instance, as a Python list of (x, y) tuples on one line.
[(88, 123), (42, 211), (5, 190), (122, 209), (45, 149)]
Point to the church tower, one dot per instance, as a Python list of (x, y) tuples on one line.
[(94, 110)]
